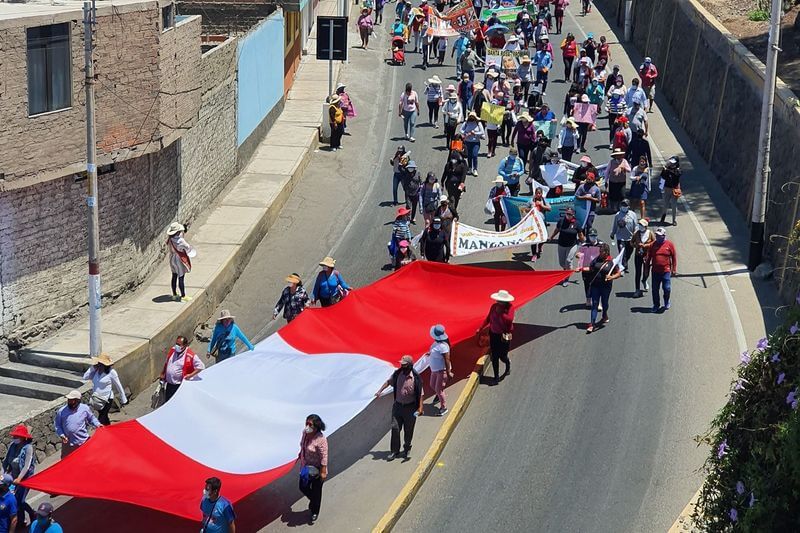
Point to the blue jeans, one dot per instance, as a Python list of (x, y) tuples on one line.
[(472, 154), (599, 294), (661, 280), (409, 122)]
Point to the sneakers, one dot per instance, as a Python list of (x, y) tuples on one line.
[(391, 456), (654, 309), (436, 126), (186, 298), (637, 294), (176, 298), (605, 320), (667, 306), (645, 286), (590, 328), (443, 412), (314, 518), (412, 139), (435, 400)]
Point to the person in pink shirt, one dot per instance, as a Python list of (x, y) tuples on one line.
[(501, 323), (313, 458)]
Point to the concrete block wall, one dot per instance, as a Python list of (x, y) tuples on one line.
[(715, 86), (208, 150), (181, 85)]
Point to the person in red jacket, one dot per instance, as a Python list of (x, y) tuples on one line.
[(648, 72), (181, 364), (663, 260), (501, 323)]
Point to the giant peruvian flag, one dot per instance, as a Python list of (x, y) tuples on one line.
[(241, 420)]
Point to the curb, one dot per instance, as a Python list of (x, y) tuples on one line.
[(684, 521), (411, 488)]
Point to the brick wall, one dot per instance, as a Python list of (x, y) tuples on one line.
[(227, 17), (45, 225), (179, 65)]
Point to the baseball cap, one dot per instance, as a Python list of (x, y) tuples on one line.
[(406, 360), (7, 480), (661, 231), (45, 509)]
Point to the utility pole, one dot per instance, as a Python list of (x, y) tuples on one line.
[(764, 139), (95, 299)]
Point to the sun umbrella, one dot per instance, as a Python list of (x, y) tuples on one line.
[(498, 27)]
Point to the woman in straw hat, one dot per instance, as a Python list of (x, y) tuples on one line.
[(224, 337), (180, 262), (435, 98), (104, 380), (293, 300), (364, 24), (501, 323), (329, 287), (20, 464), (336, 119)]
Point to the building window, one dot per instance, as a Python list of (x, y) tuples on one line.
[(49, 68), (168, 16)]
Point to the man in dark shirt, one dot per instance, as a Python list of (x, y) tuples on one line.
[(568, 231), (671, 175), (638, 147)]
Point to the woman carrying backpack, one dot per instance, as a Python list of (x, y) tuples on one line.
[(330, 287)]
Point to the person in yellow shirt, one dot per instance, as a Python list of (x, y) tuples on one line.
[(336, 118)]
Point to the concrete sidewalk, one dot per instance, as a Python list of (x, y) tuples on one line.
[(137, 330)]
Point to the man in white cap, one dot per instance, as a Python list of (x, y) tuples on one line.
[(223, 340), (408, 393), (72, 421), (648, 72)]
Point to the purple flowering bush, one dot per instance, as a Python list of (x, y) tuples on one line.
[(753, 471)]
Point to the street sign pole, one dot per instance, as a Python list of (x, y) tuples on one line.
[(330, 57)]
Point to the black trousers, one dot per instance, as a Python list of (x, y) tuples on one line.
[(449, 132), (403, 419), (102, 415), (314, 493), (412, 203), (627, 248), (499, 350), (433, 112), (336, 135), (325, 302), (583, 132), (170, 391), (641, 270)]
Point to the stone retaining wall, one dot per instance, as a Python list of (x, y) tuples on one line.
[(715, 85)]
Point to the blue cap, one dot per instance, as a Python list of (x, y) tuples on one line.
[(590, 35), (7, 480)]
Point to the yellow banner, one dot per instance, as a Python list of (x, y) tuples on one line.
[(492, 113)]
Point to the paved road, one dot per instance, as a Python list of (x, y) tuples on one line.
[(589, 433)]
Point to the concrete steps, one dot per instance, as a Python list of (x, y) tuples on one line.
[(64, 361), (32, 389), (38, 374)]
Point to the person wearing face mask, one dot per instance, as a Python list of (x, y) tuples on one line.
[(664, 264), (496, 194), (180, 259), (313, 458), (568, 142), (44, 522), (398, 163), (435, 98), (20, 461), (454, 177), (640, 186), (446, 213), (71, 423), (642, 240), (589, 192), (671, 187), (596, 92), (218, 515), (617, 172), (453, 115), (525, 134), (602, 273), (412, 183), (293, 300), (472, 131), (587, 252), (501, 325), (434, 244), (441, 369), (613, 77), (638, 147), (226, 333), (181, 364), (616, 108), (407, 406), (404, 255), (649, 73), (585, 165), (540, 204), (635, 95), (569, 232), (104, 379), (429, 196), (510, 169), (8, 505), (623, 229)]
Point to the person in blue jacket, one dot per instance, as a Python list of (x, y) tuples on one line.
[(223, 340), (330, 286), (511, 168), (544, 62)]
